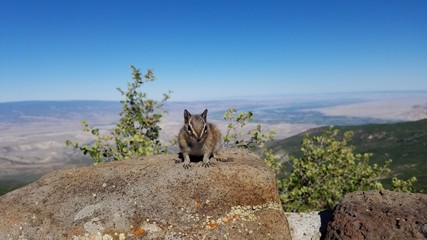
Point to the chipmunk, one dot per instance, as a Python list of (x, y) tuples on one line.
[(199, 138)]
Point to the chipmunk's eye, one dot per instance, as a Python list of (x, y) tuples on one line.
[(206, 128), (188, 128)]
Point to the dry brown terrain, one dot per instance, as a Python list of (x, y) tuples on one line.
[(404, 108)]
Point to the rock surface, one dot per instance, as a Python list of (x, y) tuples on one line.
[(379, 215), (309, 225), (149, 198)]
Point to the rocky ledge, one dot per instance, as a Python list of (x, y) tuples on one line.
[(149, 198), (156, 198)]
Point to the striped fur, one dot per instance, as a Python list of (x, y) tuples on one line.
[(198, 138)]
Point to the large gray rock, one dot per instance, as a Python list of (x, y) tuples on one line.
[(379, 215), (149, 198)]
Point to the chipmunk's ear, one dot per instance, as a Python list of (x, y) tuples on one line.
[(205, 114), (187, 115)]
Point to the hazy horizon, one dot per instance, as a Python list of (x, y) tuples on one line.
[(241, 97)]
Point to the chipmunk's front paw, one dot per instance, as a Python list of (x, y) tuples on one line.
[(187, 165), (206, 164)]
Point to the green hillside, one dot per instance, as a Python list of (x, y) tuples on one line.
[(11, 183), (405, 143)]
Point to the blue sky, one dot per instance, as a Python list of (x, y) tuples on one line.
[(210, 49)]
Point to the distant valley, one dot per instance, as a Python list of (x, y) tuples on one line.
[(33, 133)]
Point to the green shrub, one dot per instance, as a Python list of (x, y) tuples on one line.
[(254, 139), (404, 185), (328, 169), (137, 131)]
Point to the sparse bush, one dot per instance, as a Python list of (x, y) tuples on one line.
[(254, 139), (328, 170), (404, 185), (137, 131)]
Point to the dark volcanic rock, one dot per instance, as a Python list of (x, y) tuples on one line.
[(149, 198), (379, 215)]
